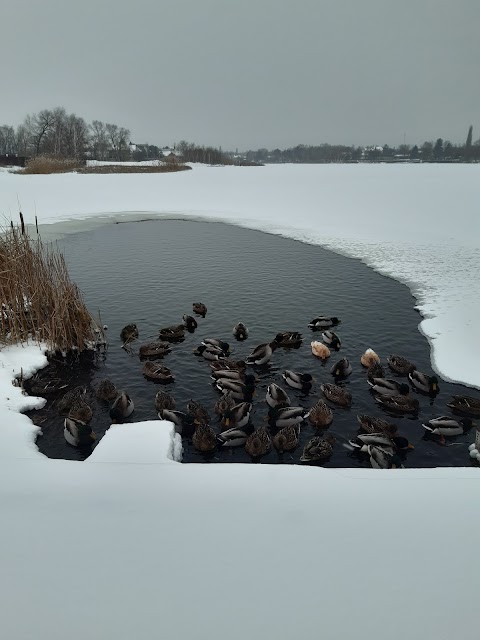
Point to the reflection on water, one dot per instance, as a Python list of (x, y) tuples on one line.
[(151, 272)]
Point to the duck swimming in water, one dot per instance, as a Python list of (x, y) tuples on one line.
[(121, 408), (336, 394), (332, 340), (423, 383), (129, 333), (259, 443), (465, 404), (157, 372), (289, 339), (280, 417), (372, 424), (262, 353), (237, 416), (385, 387), (318, 449), (154, 350), (341, 369), (240, 331), (276, 396), (445, 426), (189, 323), (301, 381), (106, 390), (320, 350), (286, 439), (164, 400), (369, 358), (204, 439), (200, 309), (399, 404), (375, 370), (321, 415), (77, 433), (323, 322), (400, 365)]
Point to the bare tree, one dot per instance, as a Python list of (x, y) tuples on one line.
[(8, 142)]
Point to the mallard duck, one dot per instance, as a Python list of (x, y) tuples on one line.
[(175, 333), (234, 437), (369, 358), (296, 380), (122, 407), (200, 309), (332, 340), (385, 387), (323, 322), (158, 372), (198, 411), (220, 344), (337, 395), (384, 459), (371, 424), (400, 365), (164, 400), (224, 403), (80, 411), (381, 439), (106, 390), (232, 365), (239, 390), (280, 417), (341, 369), (66, 401), (237, 416), (259, 443), (276, 396), (446, 426), (204, 439), (230, 374), (262, 353), (465, 404), (318, 449), (320, 350), (400, 404), (375, 370), (184, 422), (286, 439), (189, 322), (129, 333), (77, 433), (289, 339), (320, 415), (154, 350), (209, 352), (424, 383), (240, 331)]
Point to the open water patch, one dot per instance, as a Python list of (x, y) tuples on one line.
[(150, 273)]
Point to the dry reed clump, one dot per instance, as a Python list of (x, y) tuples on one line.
[(49, 164), (117, 168), (38, 299)]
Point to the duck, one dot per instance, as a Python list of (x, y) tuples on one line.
[(69, 398), (465, 404), (237, 416), (200, 309), (198, 411), (77, 433), (375, 370), (320, 415), (219, 344), (286, 439), (400, 365), (209, 352), (158, 372), (341, 369), (154, 350), (381, 439), (447, 426), (204, 439), (80, 411), (372, 424), (276, 396), (231, 374), (369, 357), (423, 383), (225, 363), (289, 339), (258, 443), (262, 354), (174, 333), (122, 407), (164, 400), (129, 333), (240, 331), (331, 339), (280, 417), (323, 322), (302, 381), (239, 390), (337, 395), (384, 459), (233, 437), (318, 449), (223, 404), (189, 323), (184, 422), (320, 350), (385, 387), (106, 390), (400, 404)]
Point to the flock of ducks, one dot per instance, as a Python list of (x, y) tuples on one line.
[(236, 383)]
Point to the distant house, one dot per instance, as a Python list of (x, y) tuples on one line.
[(170, 152)]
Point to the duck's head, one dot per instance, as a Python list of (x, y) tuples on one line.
[(224, 346), (402, 444), (200, 349), (334, 320), (306, 378), (466, 423), (404, 389), (335, 343)]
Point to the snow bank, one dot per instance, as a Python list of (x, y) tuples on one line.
[(417, 223)]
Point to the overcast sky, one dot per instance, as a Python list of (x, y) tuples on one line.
[(248, 73)]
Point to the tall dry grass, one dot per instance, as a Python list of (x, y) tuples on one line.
[(50, 164), (38, 299)]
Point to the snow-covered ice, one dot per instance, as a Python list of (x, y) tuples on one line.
[(418, 223)]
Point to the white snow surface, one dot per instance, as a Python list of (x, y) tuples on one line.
[(418, 223)]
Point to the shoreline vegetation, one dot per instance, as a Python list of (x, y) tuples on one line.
[(39, 301)]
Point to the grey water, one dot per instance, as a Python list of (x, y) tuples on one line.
[(151, 272)]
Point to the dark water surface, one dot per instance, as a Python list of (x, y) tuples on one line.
[(151, 272)]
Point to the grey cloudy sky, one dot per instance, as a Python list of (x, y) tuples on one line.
[(248, 73)]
